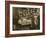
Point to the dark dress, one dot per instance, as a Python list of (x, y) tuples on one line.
[(38, 26)]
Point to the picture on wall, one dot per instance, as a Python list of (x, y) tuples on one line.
[(24, 18)]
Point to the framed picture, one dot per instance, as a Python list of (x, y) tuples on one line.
[(24, 19)]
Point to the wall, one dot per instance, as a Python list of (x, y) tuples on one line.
[(2, 19)]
